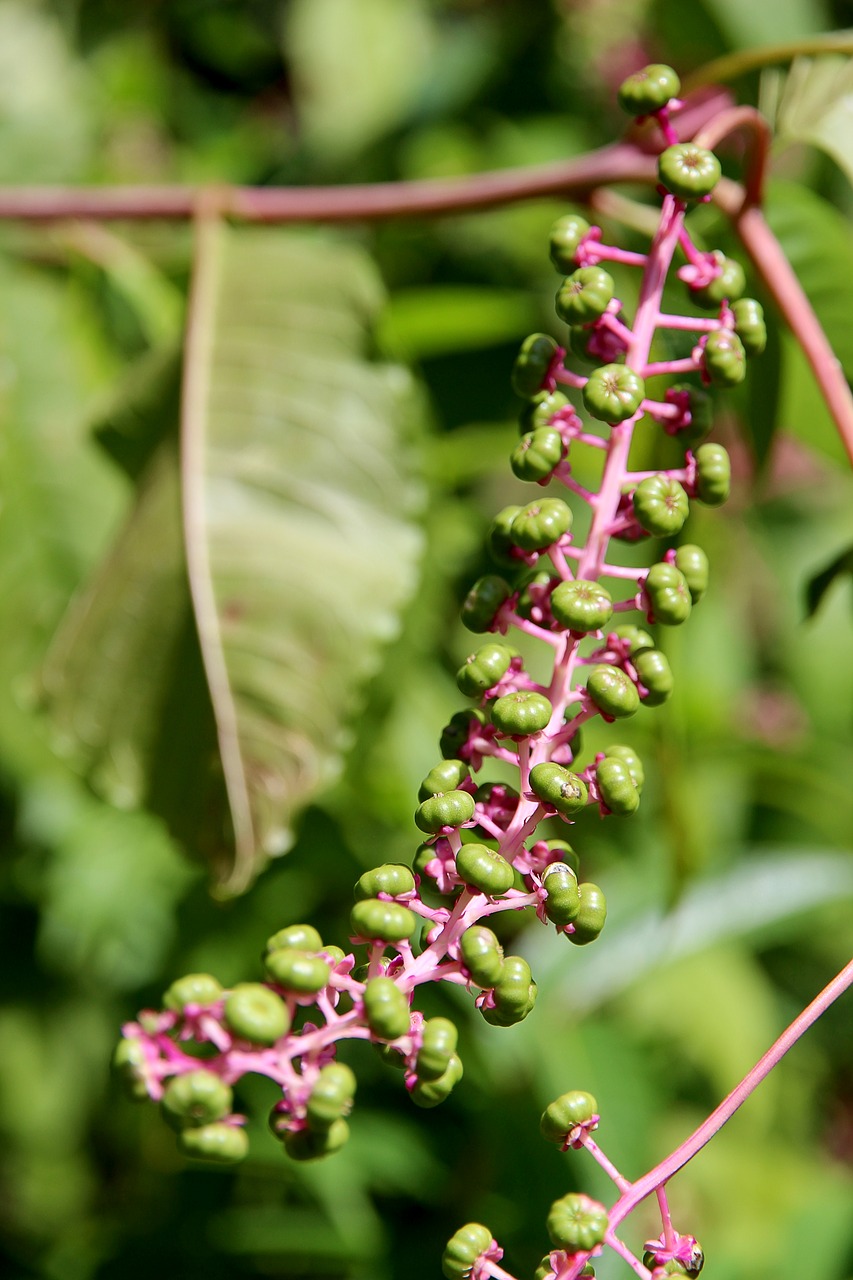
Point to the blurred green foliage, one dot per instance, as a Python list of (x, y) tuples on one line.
[(730, 892)]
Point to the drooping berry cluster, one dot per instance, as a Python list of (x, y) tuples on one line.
[(482, 853)]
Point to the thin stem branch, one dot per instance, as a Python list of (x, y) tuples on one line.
[(577, 177), (662, 1172)]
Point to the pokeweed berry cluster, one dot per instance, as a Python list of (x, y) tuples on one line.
[(482, 853)]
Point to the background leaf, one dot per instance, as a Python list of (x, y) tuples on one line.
[(299, 499), (815, 105)]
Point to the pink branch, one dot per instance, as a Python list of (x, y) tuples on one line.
[(662, 1172)]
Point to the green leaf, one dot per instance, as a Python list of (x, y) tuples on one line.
[(298, 511), (435, 321), (818, 585), (108, 891), (747, 25), (816, 106), (46, 134), (818, 243), (357, 69)]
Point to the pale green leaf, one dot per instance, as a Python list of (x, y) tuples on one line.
[(46, 133), (298, 503), (357, 68), (816, 106), (746, 25)]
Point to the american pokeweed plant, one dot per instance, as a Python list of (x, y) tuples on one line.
[(489, 847)]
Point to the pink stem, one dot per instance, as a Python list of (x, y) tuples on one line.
[(700, 1137)]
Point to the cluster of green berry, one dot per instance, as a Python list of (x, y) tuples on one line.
[(482, 851)]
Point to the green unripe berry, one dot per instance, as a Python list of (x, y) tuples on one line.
[(613, 393), (331, 1096), (612, 691), (541, 523), (386, 1009), (646, 91), (482, 670), (382, 921), (558, 788), (446, 809), (481, 868), (566, 235), (313, 1144), (693, 563), (194, 988), (532, 364), (447, 775), (537, 454), (482, 955), (429, 1093), (635, 638), (566, 1113), (589, 921), (629, 757), (576, 1223), (302, 936), (661, 505), (585, 295), (455, 733), (483, 601), (727, 286), (195, 1099), (616, 788), (499, 541), (655, 673), (129, 1062), (514, 994), (300, 972), (534, 593), (724, 358), (750, 326), (217, 1143), (253, 1012), (541, 410), (688, 171), (521, 713), (581, 606), (463, 1249), (392, 878), (713, 474), (563, 901), (438, 1046), (666, 588)]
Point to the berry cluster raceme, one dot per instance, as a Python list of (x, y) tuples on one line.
[(482, 852)]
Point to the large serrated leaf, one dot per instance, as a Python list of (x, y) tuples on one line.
[(298, 503)]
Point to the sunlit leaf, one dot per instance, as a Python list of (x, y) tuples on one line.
[(816, 106), (757, 24), (357, 68), (817, 586), (298, 501)]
